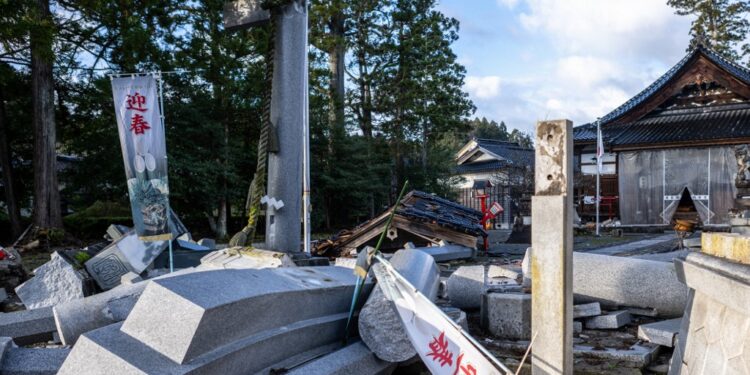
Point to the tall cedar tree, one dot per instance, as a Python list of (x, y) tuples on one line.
[(720, 24)]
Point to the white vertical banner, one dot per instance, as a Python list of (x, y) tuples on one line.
[(438, 340), (144, 152), (599, 149)]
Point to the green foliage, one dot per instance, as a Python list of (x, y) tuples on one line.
[(720, 24), (82, 257)]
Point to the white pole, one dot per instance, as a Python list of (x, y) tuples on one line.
[(598, 172), (306, 148), (164, 131)]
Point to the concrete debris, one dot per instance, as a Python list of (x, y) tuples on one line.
[(33, 361), (612, 320), (586, 310), (127, 254), (130, 278), (467, 284), (54, 282), (352, 359), (636, 356), (292, 310), (28, 326), (507, 315), (380, 326), (246, 257), (661, 333), (448, 252)]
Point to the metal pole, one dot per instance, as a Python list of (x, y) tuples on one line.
[(306, 148), (164, 131), (598, 172)]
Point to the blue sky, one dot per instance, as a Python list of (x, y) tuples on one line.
[(530, 60)]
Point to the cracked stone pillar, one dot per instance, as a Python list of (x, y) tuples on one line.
[(552, 241)]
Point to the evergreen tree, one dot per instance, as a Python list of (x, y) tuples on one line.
[(720, 24)]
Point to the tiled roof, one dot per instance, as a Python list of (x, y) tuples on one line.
[(683, 125), (512, 151), (422, 206), (587, 132), (482, 166)]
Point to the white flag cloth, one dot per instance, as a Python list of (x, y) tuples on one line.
[(599, 149), (438, 340)]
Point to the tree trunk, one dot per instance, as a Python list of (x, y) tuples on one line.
[(11, 200), (46, 191), (336, 69)]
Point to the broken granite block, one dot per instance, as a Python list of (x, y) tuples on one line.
[(207, 242), (612, 320), (127, 254), (293, 310), (130, 278), (661, 333), (246, 257), (457, 315), (467, 284), (448, 252), (586, 310), (28, 326), (507, 315), (33, 361), (116, 231), (352, 359), (346, 262), (380, 325), (636, 356), (577, 327), (54, 282)]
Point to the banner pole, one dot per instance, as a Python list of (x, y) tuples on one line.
[(164, 131)]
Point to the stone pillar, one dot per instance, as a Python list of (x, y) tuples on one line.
[(283, 226), (552, 258)]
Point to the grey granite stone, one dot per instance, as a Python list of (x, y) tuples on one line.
[(128, 254), (507, 315), (244, 258), (661, 333), (577, 327), (54, 282), (207, 242), (448, 252), (33, 361), (210, 309), (130, 278), (28, 326), (612, 320), (346, 262), (109, 350), (352, 359), (379, 324), (586, 310), (637, 356), (467, 284), (457, 315)]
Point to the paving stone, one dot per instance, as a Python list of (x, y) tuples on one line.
[(637, 356), (586, 310), (28, 326), (352, 359), (448, 252), (380, 326), (33, 361), (661, 333), (130, 278), (128, 254), (612, 320), (54, 282), (507, 315), (246, 257)]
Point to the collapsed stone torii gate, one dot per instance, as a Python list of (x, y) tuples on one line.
[(286, 131)]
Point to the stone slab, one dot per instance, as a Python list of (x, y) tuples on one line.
[(346, 262), (448, 252), (731, 246), (210, 309), (586, 310), (28, 326), (612, 320), (130, 278), (661, 333), (128, 254), (109, 350), (467, 284), (54, 282), (637, 356), (207, 242), (507, 315), (246, 258), (352, 359), (33, 361), (379, 324)]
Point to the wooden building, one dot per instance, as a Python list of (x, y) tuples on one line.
[(677, 142)]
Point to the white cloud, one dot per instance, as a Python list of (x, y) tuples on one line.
[(508, 3), (485, 87)]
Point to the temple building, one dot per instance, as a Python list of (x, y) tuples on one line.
[(675, 147)]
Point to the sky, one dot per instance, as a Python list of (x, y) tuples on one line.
[(530, 60)]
